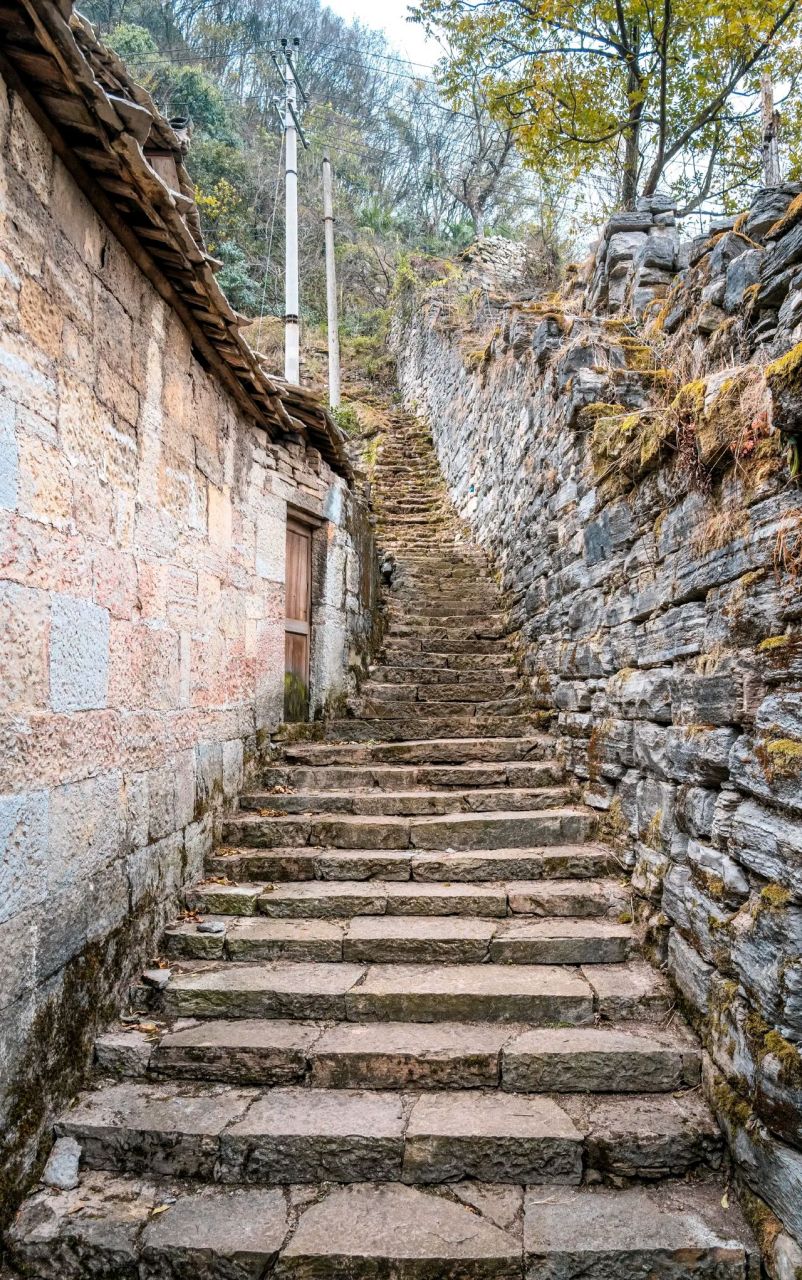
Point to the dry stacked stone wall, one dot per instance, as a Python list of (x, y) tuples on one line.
[(627, 449), (142, 545)]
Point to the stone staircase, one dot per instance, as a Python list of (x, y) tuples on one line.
[(407, 1031)]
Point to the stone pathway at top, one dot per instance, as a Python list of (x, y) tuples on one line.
[(424, 1045)]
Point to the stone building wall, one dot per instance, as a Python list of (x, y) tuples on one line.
[(625, 450), (142, 545)]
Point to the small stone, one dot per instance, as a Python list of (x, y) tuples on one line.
[(157, 978), (211, 926), (61, 1170)]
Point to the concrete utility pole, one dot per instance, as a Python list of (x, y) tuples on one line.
[(770, 143), (292, 323), (331, 286)]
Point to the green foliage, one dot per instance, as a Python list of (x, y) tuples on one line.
[(637, 91), (347, 419), (235, 278), (409, 174)]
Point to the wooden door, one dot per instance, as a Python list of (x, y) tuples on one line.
[(298, 621)]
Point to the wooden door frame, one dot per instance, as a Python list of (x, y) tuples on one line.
[(307, 525), (305, 531)]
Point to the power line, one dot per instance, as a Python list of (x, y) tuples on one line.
[(260, 45)]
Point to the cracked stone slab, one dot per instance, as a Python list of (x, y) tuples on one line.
[(463, 993), (634, 990), (107, 1229), (494, 1137), (124, 1052), (671, 1232), (257, 938), (160, 1129), (660, 1135), (388, 1055), (561, 941), (303, 1135), (216, 1232), (418, 939), (330, 898), (224, 899), (578, 898), (395, 1232), (600, 1059), (500, 830), (252, 1051), (470, 866), (446, 899), (279, 989)]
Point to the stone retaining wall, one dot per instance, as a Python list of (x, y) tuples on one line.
[(625, 450), (142, 544)]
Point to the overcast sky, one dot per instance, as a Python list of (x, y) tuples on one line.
[(390, 16)]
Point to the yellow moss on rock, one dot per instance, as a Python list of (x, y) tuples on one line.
[(780, 758), (774, 897), (637, 354), (786, 370), (787, 220), (689, 401), (773, 642)]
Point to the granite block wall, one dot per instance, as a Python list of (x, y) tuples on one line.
[(629, 456), (142, 543)]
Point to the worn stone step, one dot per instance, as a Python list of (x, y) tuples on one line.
[(379, 709), (451, 751), (554, 862), (408, 694), (461, 626), (498, 830), (289, 1134), (409, 661), (669, 1230), (541, 995), (391, 1055), (392, 778), (409, 898), (582, 861), (382, 729), (493, 676), (396, 644), (342, 898), (459, 602), (412, 803), (422, 939)]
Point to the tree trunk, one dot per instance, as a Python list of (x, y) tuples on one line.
[(629, 177)]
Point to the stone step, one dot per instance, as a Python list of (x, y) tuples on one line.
[(402, 803), (456, 751), (572, 862), (453, 630), (460, 690), (331, 899), (451, 939), (393, 778), (426, 674), (380, 709), (395, 644), (539, 994), (449, 725), (499, 830), (635, 1058), (410, 662), (289, 1134)]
